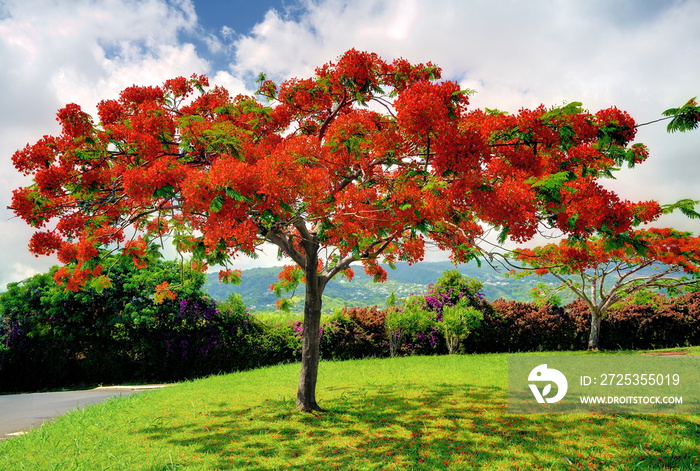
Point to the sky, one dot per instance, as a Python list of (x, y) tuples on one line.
[(638, 55)]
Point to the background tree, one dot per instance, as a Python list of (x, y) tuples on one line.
[(601, 275), (363, 161)]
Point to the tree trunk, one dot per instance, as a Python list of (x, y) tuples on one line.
[(594, 336), (311, 344)]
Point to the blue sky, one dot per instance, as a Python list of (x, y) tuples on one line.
[(232, 19), (239, 15), (639, 55)]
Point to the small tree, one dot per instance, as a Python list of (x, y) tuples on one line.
[(601, 274), (458, 321)]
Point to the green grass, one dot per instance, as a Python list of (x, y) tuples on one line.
[(417, 413)]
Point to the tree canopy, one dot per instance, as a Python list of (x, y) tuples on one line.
[(365, 160)]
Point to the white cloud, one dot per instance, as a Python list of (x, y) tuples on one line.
[(20, 271)]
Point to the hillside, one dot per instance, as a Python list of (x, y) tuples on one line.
[(362, 291)]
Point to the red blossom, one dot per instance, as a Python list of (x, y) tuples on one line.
[(75, 122)]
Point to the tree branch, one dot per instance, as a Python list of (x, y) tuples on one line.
[(284, 243), (330, 117)]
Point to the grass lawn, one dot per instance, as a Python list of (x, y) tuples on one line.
[(416, 413)]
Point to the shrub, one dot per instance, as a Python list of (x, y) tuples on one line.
[(278, 343), (202, 338), (355, 333), (689, 305), (458, 322), (407, 321), (119, 334), (462, 301), (518, 326), (451, 288)]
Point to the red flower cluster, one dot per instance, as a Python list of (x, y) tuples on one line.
[(318, 170)]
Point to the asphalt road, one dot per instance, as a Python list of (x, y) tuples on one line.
[(23, 412)]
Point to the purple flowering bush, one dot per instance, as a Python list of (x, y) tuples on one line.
[(411, 327), (458, 305), (198, 338)]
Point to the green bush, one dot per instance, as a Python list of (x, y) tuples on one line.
[(407, 321), (51, 338), (458, 321)]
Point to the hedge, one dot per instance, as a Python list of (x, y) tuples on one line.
[(196, 337)]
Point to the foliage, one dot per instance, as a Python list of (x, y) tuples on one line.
[(685, 118), (543, 294), (513, 326), (660, 322), (355, 333), (279, 343), (458, 304), (406, 321), (193, 337), (120, 333)]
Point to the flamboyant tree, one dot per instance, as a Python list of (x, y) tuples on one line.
[(601, 275), (366, 160)]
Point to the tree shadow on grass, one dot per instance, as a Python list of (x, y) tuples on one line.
[(406, 427)]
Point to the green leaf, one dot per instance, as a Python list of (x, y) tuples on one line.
[(620, 241), (217, 204), (685, 206), (167, 191), (234, 195), (575, 107), (571, 222), (685, 118), (503, 235), (100, 283), (285, 304), (549, 182), (465, 91), (495, 112), (232, 277)]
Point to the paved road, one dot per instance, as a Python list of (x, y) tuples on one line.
[(27, 411)]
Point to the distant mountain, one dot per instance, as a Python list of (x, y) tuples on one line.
[(362, 291)]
